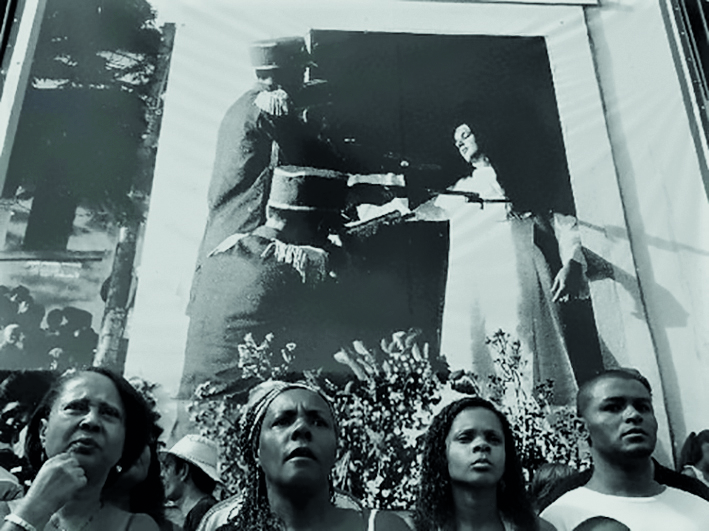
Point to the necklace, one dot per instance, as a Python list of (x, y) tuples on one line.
[(55, 518)]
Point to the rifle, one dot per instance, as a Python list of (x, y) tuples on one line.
[(363, 230), (471, 197)]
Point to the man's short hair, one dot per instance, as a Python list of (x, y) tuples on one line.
[(583, 397)]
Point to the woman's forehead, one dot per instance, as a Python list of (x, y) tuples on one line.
[(476, 418), (462, 130), (294, 399), (93, 386)]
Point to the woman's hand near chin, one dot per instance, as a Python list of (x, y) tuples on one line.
[(56, 483)]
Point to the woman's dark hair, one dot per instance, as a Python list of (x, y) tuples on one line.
[(148, 496), (529, 163), (546, 478), (434, 507), (691, 452), (138, 420)]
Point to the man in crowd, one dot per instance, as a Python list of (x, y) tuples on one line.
[(189, 473), (625, 483)]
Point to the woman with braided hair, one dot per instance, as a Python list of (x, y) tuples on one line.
[(289, 442), (471, 477)]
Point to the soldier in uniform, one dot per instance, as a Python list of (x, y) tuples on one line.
[(259, 130), (281, 279)]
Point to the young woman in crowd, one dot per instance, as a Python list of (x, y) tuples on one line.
[(90, 426), (139, 489), (289, 442), (471, 477), (694, 459)]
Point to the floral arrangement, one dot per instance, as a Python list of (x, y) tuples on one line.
[(386, 406)]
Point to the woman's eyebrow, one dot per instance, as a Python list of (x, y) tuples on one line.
[(109, 405), (317, 412)]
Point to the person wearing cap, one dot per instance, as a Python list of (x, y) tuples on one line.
[(261, 129), (288, 438), (279, 279), (189, 473)]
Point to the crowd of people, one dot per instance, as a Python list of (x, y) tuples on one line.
[(35, 339), (92, 444)]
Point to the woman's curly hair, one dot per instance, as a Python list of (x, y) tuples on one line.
[(434, 509)]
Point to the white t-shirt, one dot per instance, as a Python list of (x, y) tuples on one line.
[(671, 510)]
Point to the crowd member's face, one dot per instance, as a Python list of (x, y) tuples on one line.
[(620, 419), (13, 334), (88, 420), (297, 442), (475, 448), (604, 524), (465, 142), (171, 480), (13, 418)]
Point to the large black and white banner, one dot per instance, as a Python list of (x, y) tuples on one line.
[(525, 194)]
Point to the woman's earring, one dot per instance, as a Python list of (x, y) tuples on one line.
[(119, 469)]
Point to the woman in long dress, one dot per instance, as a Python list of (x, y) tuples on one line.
[(499, 277)]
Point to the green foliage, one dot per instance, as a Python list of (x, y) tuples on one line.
[(384, 412), (386, 406)]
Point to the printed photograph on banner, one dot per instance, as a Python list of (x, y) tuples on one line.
[(359, 202), (381, 206), (81, 115), (374, 183)]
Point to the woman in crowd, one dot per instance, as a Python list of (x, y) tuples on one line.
[(289, 443), (546, 478), (139, 489), (694, 459), (90, 426), (471, 477)]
